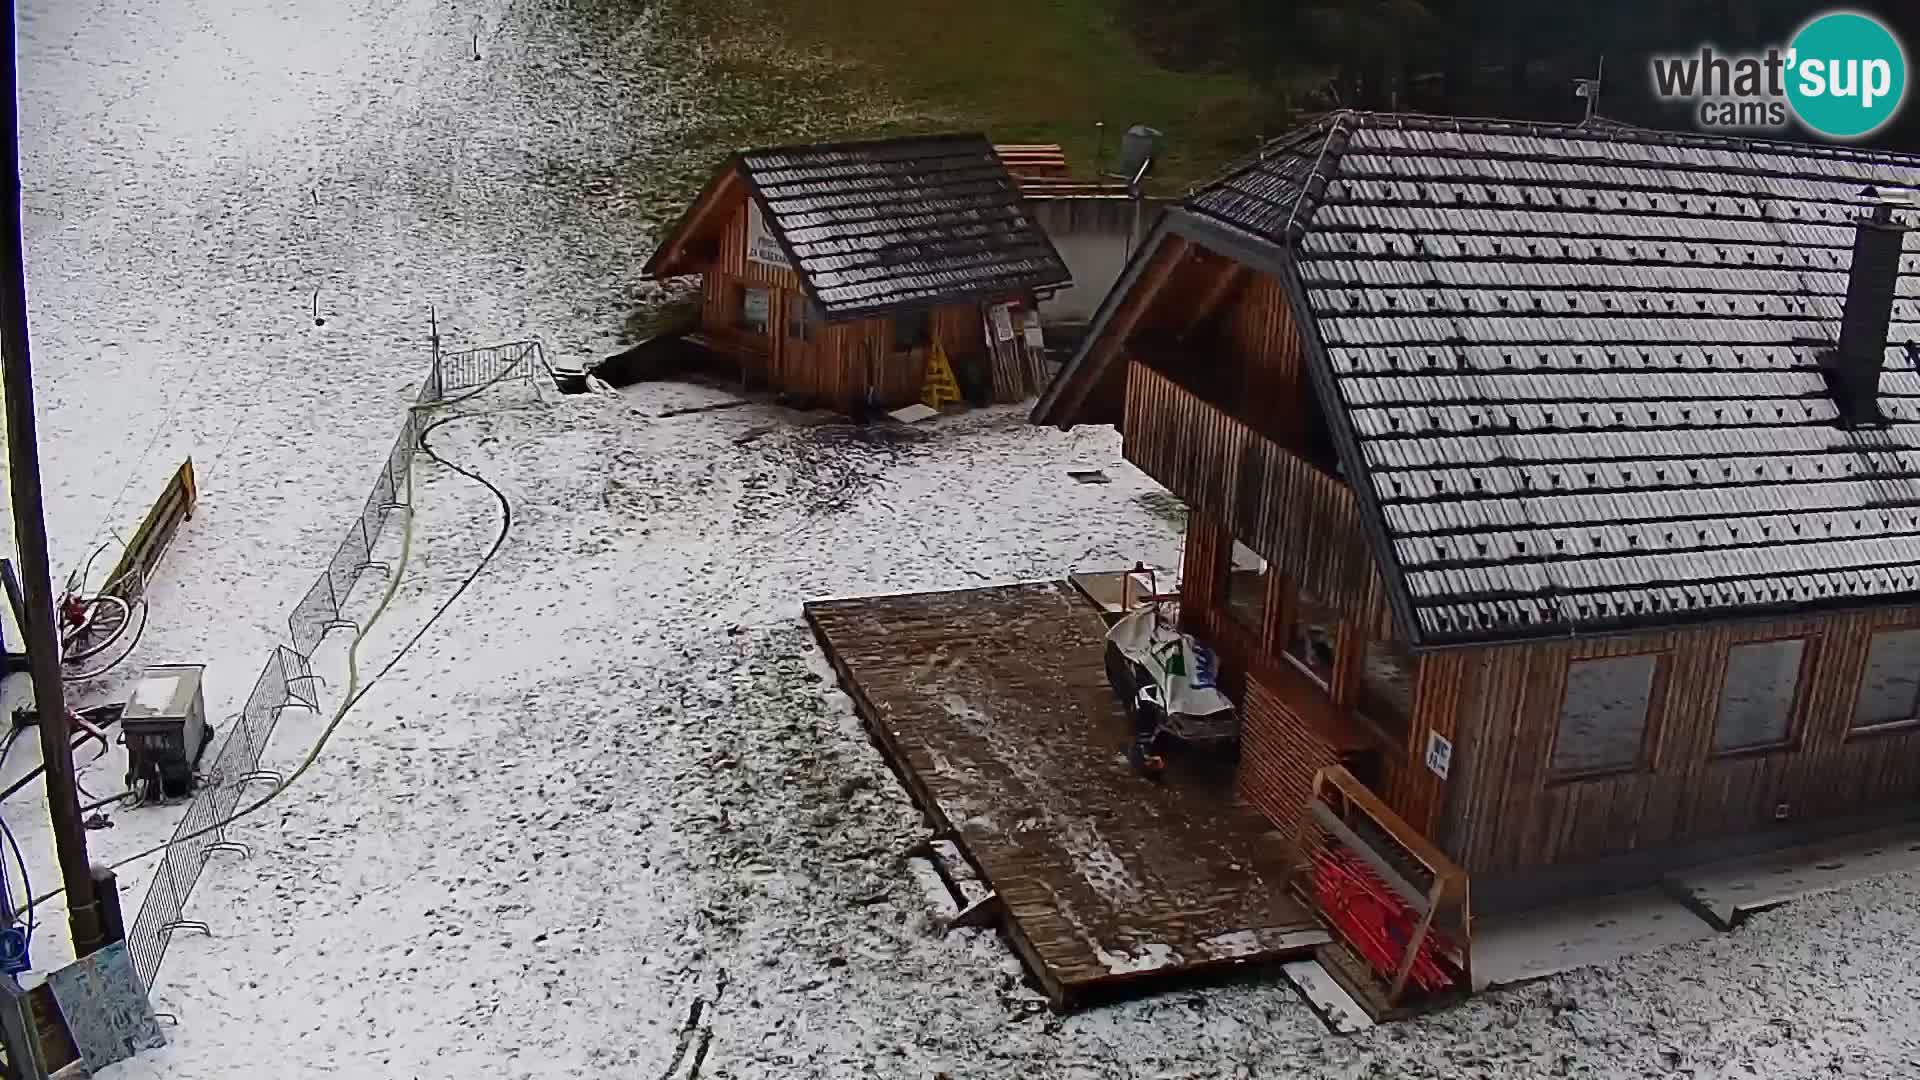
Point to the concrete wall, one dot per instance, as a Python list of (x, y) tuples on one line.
[(1091, 233)]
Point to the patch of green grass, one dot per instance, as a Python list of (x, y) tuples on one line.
[(1165, 507), (673, 316), (1024, 71)]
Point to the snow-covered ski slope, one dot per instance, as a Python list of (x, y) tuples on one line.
[(614, 781), (195, 174)]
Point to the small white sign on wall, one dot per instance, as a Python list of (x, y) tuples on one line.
[(1002, 322), (762, 245), (1439, 754)]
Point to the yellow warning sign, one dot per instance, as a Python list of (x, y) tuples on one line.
[(941, 387)]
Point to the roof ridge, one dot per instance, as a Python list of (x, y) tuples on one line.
[(1608, 130), (844, 145), (1279, 144)]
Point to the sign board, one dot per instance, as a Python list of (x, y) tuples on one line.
[(1002, 323), (762, 246), (1439, 754), (106, 1008), (1034, 339)]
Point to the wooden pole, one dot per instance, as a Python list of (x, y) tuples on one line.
[(30, 530)]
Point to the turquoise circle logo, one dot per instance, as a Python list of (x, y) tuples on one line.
[(1848, 75)]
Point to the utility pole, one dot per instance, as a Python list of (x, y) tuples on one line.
[(30, 527)]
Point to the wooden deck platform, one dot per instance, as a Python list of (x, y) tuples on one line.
[(992, 706)]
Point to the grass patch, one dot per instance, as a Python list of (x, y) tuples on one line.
[(1024, 71), (1165, 507)]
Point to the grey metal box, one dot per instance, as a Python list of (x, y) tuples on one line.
[(166, 727)]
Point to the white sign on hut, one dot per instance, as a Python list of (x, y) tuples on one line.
[(762, 246)]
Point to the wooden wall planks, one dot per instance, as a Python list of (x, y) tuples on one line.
[(1509, 812), (843, 360), (1274, 395), (1302, 521), (1225, 435), (1306, 525), (1289, 727), (1280, 755), (1415, 792)]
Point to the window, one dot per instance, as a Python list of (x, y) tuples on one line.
[(754, 312), (1386, 687), (1311, 638), (1889, 689), (1247, 588), (800, 319), (1756, 701), (1603, 719), (911, 330)]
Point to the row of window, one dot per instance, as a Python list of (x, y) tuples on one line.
[(1310, 640), (1605, 714), (753, 312)]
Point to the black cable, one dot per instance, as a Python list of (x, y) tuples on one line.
[(78, 741), (79, 581), (499, 541), (98, 803)]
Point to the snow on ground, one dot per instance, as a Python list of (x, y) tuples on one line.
[(195, 172), (616, 779), (613, 781)]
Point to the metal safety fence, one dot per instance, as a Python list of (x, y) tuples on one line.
[(201, 832), (319, 610), (288, 678), (473, 368)]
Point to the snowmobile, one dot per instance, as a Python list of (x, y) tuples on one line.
[(1166, 681)]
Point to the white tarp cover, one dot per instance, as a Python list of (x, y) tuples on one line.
[(1183, 668)]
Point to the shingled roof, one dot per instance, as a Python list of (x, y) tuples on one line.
[(893, 224), (1574, 372)]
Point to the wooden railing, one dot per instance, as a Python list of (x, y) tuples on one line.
[(1397, 903), (1302, 520)]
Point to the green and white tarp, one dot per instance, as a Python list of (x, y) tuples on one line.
[(1183, 669)]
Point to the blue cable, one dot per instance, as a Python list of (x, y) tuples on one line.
[(16, 947), (32, 919)]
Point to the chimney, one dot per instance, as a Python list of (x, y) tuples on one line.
[(1853, 370)]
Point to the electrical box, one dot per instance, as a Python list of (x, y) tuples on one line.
[(1137, 148), (166, 731)]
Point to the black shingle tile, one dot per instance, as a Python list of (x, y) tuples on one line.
[(900, 223), (1577, 365)]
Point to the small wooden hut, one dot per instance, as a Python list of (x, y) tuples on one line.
[(1562, 484), (830, 271)]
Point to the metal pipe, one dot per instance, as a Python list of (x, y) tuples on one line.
[(30, 530)]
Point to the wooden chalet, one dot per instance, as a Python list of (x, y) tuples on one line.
[(1562, 484), (829, 271)]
